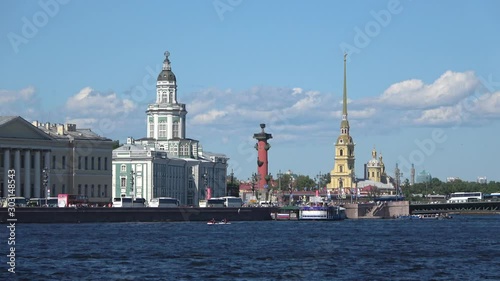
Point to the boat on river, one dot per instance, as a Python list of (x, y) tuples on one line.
[(322, 213)]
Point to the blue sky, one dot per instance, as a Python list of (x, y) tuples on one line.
[(423, 76)]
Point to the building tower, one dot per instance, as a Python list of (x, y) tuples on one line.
[(342, 174), (166, 119), (374, 168), (262, 163)]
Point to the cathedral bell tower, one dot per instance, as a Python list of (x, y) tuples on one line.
[(342, 175)]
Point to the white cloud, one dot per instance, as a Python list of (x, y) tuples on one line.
[(487, 105), (443, 115), (448, 89), (10, 96), (311, 100), (209, 117), (93, 103)]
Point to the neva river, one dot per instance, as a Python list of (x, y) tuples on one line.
[(462, 248)]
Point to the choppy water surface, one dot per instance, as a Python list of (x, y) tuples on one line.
[(462, 248)]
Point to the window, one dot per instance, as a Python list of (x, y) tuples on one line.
[(63, 189), (171, 96), (99, 190), (79, 189), (123, 168), (92, 163), (373, 174), (341, 152), (162, 129), (92, 191), (53, 161), (151, 130), (86, 190), (32, 163), (79, 164), (341, 168), (99, 163), (175, 129), (22, 161), (53, 191), (105, 190), (106, 163), (63, 160), (86, 163), (123, 181)]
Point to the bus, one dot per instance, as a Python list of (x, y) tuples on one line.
[(41, 202), (18, 201), (232, 201), (125, 202), (463, 197), (216, 202), (139, 202), (72, 200), (164, 202)]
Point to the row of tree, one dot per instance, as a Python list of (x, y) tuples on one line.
[(436, 186), (286, 181)]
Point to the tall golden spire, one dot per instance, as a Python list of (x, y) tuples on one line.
[(344, 106)]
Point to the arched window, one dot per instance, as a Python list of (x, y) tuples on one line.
[(341, 152)]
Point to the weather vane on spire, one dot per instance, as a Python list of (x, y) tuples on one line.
[(167, 53)]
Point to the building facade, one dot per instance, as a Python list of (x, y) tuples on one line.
[(342, 175), (72, 160), (166, 163)]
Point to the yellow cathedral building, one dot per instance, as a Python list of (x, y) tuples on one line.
[(342, 175)]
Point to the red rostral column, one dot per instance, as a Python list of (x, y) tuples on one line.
[(262, 147)]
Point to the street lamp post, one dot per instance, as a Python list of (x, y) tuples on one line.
[(341, 191), (132, 173), (205, 182), (45, 174), (353, 181)]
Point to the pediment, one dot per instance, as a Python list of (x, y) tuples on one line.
[(18, 128)]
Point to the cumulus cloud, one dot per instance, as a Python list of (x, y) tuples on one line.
[(443, 115), (209, 117), (487, 105), (88, 101), (448, 89), (10, 96)]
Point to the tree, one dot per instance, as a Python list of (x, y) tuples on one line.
[(304, 182)]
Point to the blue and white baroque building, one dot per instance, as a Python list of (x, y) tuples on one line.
[(165, 163)]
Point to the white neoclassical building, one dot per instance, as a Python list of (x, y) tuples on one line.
[(76, 161), (166, 163)]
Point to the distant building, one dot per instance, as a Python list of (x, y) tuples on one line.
[(482, 180), (452, 179), (166, 163), (423, 177), (376, 179), (76, 161)]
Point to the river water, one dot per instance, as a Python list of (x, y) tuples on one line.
[(462, 248)]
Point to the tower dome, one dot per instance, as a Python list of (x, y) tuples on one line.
[(166, 74)]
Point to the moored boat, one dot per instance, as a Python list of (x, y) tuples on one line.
[(322, 213)]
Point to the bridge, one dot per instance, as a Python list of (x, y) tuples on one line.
[(469, 207)]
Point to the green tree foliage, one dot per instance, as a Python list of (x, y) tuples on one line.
[(116, 144), (304, 182), (435, 186)]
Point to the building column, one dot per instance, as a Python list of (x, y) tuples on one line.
[(17, 166), (6, 168), (27, 174), (37, 174)]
